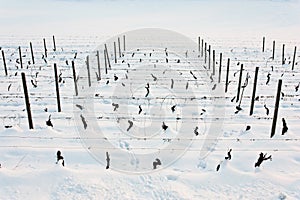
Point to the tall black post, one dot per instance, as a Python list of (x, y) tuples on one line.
[(106, 51), (115, 52), (227, 75), (205, 52), (88, 71), (21, 60), (220, 68), (263, 47), (254, 91), (294, 58), (54, 45), (214, 62), (27, 101), (4, 63), (273, 54), (57, 88), (276, 108), (31, 50), (98, 62), (45, 47), (239, 84), (119, 45), (283, 61), (209, 57), (74, 78)]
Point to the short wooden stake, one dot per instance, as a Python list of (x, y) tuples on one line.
[(27, 101), (57, 88), (254, 91), (276, 108)]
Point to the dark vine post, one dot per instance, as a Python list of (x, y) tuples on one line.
[(254, 91), (31, 50), (45, 47), (273, 130), (27, 101), (294, 58), (239, 84), (4, 63), (74, 78), (57, 88)]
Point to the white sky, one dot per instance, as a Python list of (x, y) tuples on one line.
[(191, 17)]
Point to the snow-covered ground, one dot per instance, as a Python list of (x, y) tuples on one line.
[(188, 161)]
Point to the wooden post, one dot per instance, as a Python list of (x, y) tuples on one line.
[(199, 45), (27, 101), (20, 54), (57, 88), (273, 54), (239, 84), (123, 42), (45, 47), (209, 57), (88, 71), (54, 45), (202, 41), (227, 75), (4, 63), (205, 52), (220, 68), (276, 108), (115, 52), (31, 50), (98, 62), (119, 45), (263, 47), (107, 56), (294, 58), (74, 78), (214, 62), (254, 91), (105, 61), (283, 62)]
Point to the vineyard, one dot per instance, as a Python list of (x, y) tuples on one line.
[(115, 106)]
